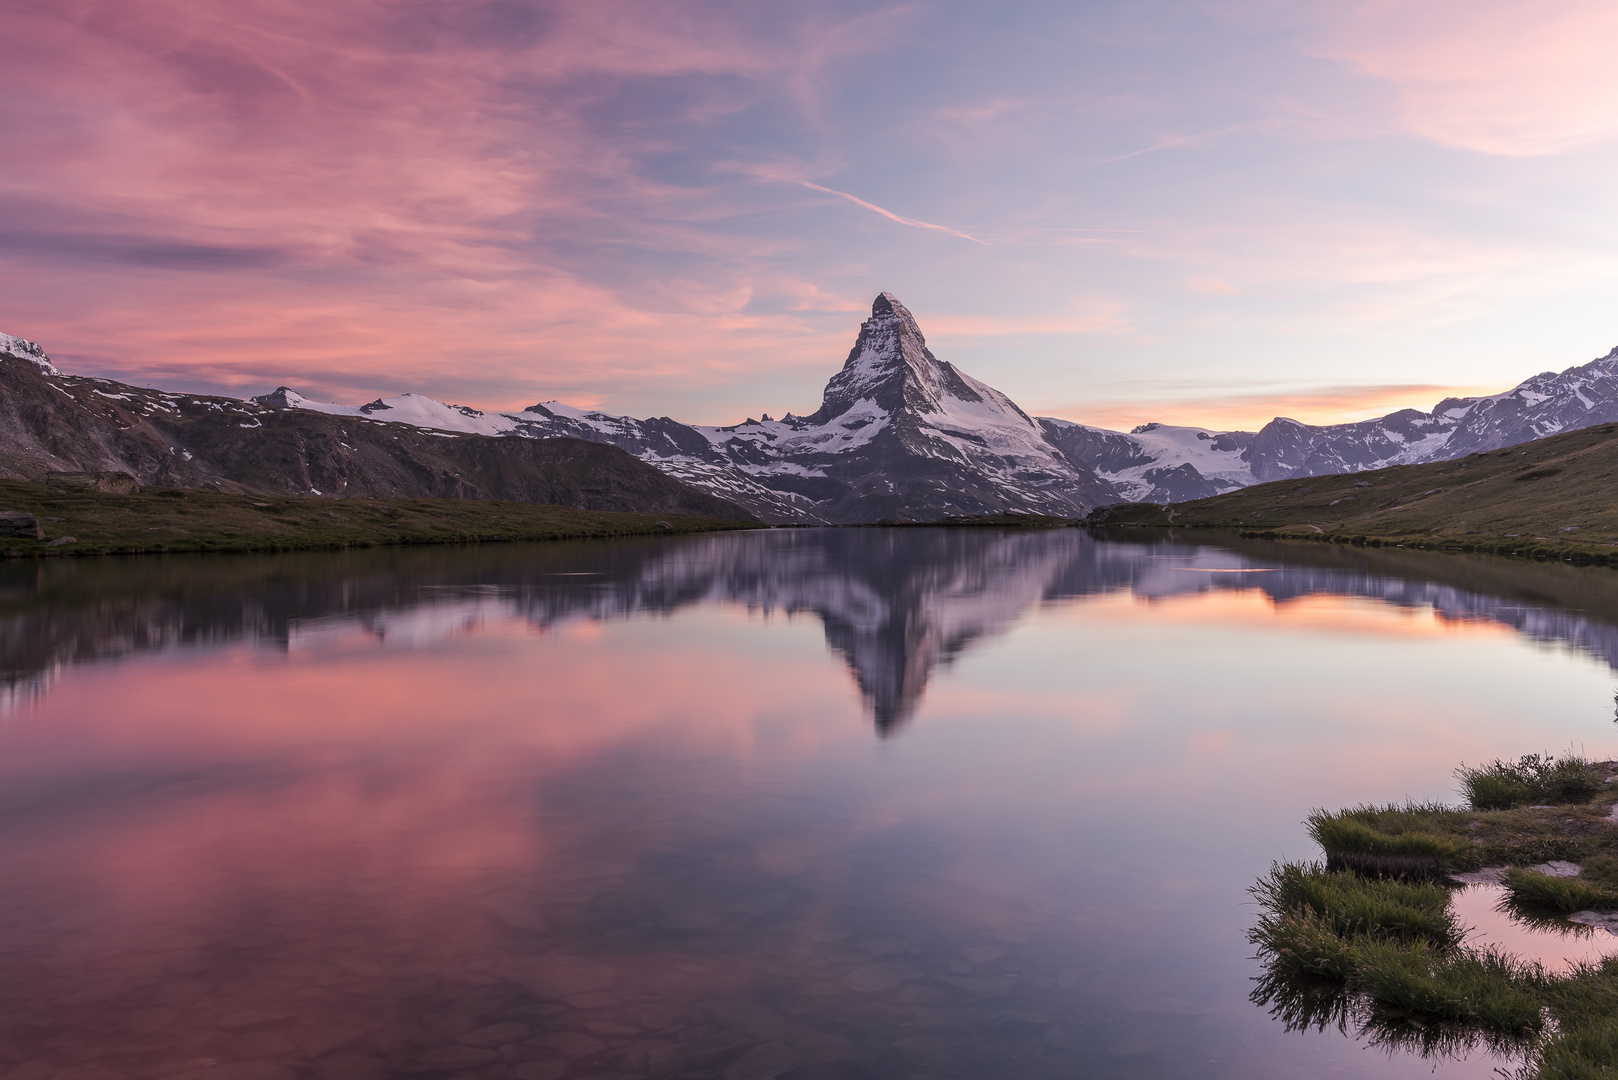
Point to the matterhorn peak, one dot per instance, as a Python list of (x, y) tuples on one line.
[(886, 304), (889, 356)]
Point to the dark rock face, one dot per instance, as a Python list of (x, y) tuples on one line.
[(1178, 485), (78, 428), (1284, 448), (20, 523), (1095, 448)]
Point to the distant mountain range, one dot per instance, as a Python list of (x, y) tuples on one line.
[(899, 434)]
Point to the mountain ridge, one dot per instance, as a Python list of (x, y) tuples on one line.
[(902, 435)]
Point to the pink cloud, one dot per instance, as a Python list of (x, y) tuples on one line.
[(228, 194), (1249, 412), (1496, 76)]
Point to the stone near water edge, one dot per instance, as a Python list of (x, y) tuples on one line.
[(1601, 920), (20, 523), (1558, 868), (767, 1061)]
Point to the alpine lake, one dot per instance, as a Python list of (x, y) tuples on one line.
[(801, 803)]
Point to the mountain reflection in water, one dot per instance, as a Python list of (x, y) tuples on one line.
[(894, 604), (614, 809)]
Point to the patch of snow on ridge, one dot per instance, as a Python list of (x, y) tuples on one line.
[(1171, 446), (416, 410), (23, 349)]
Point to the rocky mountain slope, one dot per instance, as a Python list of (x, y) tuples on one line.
[(55, 422), (899, 434), (1553, 497), (1149, 463)]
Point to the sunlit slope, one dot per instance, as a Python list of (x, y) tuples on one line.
[(1560, 491)]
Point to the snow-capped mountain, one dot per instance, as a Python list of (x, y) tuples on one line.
[(899, 434), (1157, 463)]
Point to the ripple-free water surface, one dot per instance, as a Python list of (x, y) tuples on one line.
[(836, 803)]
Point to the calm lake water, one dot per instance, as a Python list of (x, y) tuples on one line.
[(846, 803)]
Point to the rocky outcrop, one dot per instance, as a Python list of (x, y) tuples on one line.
[(20, 523), (88, 432)]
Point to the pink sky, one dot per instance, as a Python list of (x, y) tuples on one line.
[(1117, 212)]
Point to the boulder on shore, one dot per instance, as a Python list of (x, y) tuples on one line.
[(20, 523)]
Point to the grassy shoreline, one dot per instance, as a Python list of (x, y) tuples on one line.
[(182, 520), (1368, 938)]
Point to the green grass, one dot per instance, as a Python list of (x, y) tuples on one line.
[(1483, 987), (1348, 904), (1380, 950), (1535, 890), (1396, 942), (181, 520), (1532, 779), (1394, 839)]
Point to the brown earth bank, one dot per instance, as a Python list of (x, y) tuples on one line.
[(75, 521), (1554, 498)]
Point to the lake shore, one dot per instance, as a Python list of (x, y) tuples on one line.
[(176, 520)]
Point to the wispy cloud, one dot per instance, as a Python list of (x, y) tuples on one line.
[(889, 214)]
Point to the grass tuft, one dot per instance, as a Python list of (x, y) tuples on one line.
[(1392, 840), (1533, 779), (1532, 889), (1485, 987), (1349, 905)]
